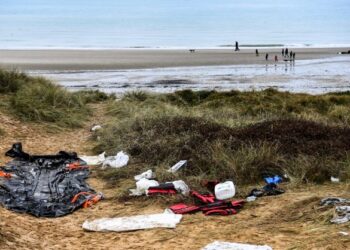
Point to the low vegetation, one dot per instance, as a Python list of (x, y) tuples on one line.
[(39, 100), (231, 135)]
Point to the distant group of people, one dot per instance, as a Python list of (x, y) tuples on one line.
[(286, 55)]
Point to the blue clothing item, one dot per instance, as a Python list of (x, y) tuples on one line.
[(273, 180)]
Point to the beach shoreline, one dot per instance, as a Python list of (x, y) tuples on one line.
[(118, 59)]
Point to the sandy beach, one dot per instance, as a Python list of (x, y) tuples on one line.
[(145, 58)]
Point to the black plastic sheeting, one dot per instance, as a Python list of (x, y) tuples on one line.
[(45, 185)]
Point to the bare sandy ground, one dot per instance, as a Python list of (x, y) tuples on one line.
[(144, 58), (290, 221)]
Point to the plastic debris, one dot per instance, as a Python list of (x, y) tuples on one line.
[(221, 245), (335, 180), (118, 161), (225, 190), (95, 128), (142, 186), (93, 160), (343, 233), (139, 222), (251, 198), (145, 175), (177, 166)]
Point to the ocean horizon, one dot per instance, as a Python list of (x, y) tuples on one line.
[(179, 24)]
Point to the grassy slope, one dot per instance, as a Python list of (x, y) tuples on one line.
[(39, 100), (239, 135)]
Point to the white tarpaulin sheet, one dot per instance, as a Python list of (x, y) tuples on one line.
[(221, 245), (133, 223)]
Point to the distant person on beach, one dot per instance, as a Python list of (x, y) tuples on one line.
[(267, 57), (283, 52), (293, 56), (276, 58), (237, 48), (286, 52), (256, 52)]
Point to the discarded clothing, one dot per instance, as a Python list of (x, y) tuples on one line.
[(221, 245), (333, 201), (209, 205), (177, 166), (169, 188), (93, 160), (145, 175), (133, 223), (45, 185), (273, 180), (343, 215), (118, 161), (343, 210), (142, 187), (267, 190)]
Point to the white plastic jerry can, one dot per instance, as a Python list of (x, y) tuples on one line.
[(225, 190)]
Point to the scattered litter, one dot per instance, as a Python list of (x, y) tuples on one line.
[(343, 215), (343, 233), (169, 188), (341, 219), (45, 185), (181, 187), (142, 187), (118, 161), (209, 205), (251, 198), (267, 190), (177, 166), (336, 180), (145, 175), (342, 211), (93, 160), (225, 190), (221, 245), (333, 201), (273, 180), (139, 222), (95, 128)]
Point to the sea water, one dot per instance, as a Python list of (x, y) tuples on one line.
[(172, 23)]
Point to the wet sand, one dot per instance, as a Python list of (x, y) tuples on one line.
[(145, 58)]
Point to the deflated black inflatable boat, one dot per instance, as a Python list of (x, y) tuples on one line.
[(45, 185)]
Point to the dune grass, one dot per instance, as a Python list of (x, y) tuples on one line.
[(231, 135), (37, 99)]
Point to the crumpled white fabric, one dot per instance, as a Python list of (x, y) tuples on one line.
[(145, 175), (132, 223), (118, 161), (221, 245), (93, 160), (181, 187), (142, 186), (343, 213)]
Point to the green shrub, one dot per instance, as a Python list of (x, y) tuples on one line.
[(94, 96), (12, 81), (40, 100)]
